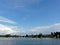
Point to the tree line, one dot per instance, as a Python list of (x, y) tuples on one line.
[(52, 35)]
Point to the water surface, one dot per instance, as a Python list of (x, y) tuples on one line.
[(29, 41)]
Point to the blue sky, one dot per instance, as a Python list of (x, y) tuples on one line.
[(30, 14)]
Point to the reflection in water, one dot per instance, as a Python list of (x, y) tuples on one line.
[(29, 41), (5, 41)]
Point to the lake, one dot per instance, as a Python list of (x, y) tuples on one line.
[(29, 41)]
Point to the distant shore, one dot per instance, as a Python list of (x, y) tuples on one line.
[(52, 35)]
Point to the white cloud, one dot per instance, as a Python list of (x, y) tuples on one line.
[(45, 29), (3, 19), (9, 29), (4, 29)]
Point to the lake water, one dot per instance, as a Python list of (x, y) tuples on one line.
[(29, 41)]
